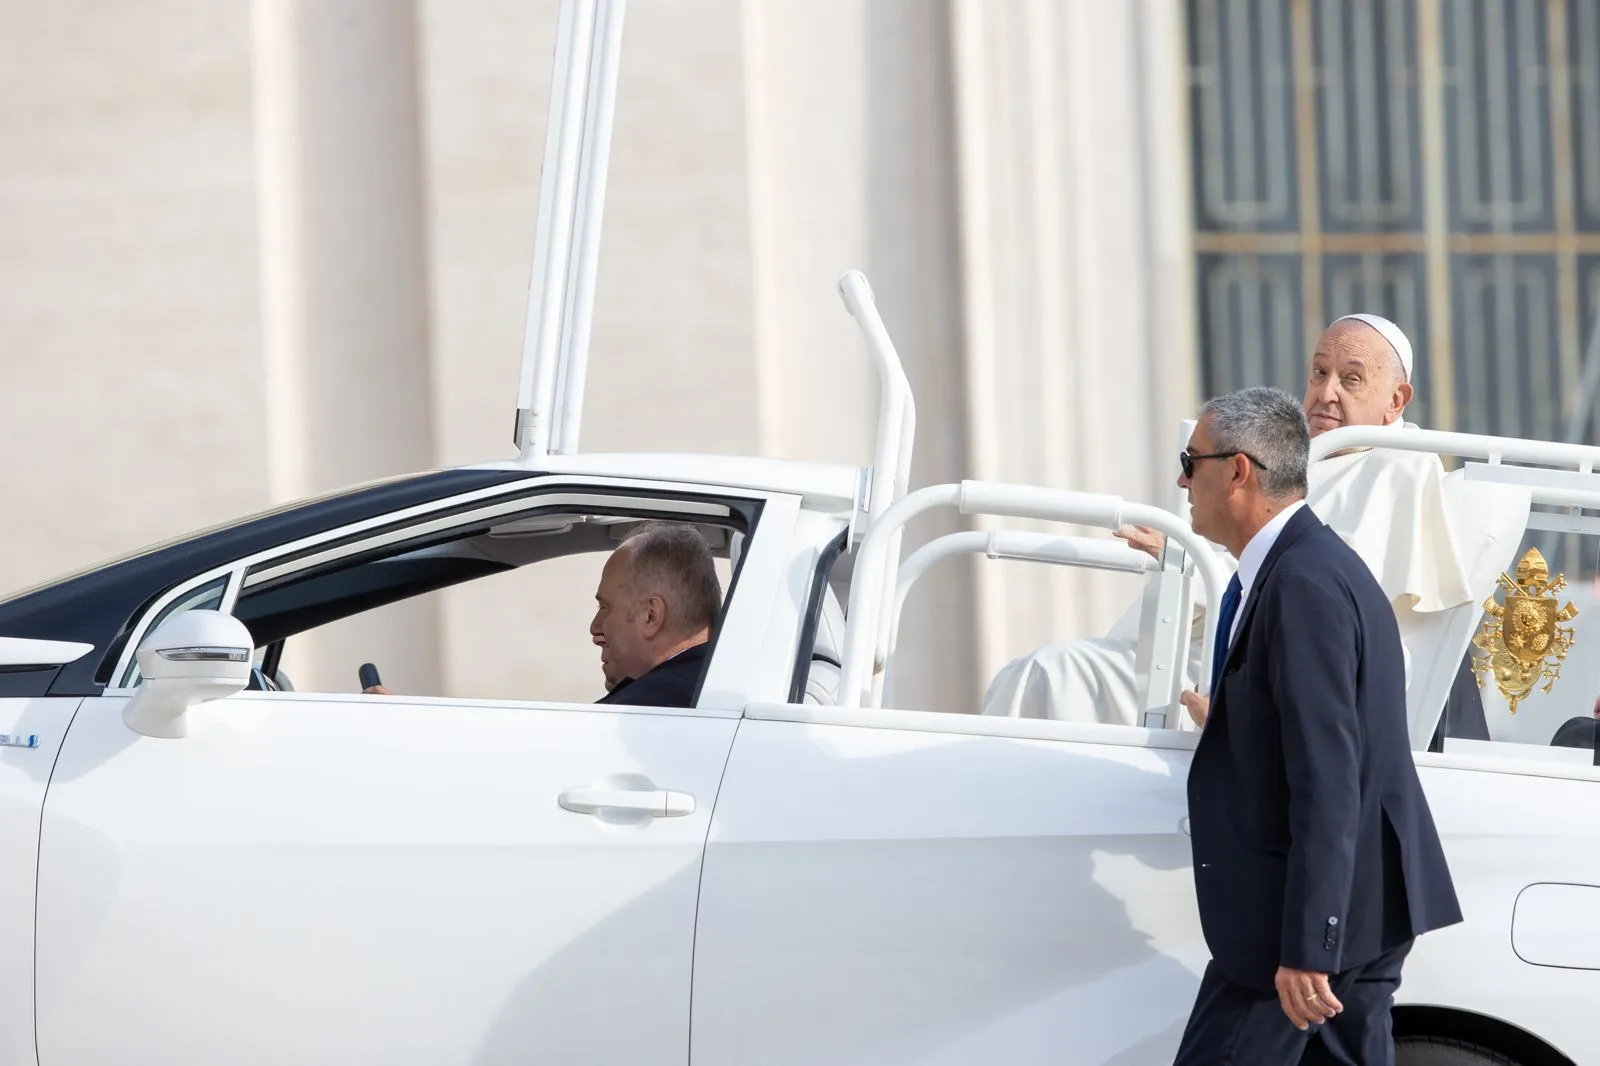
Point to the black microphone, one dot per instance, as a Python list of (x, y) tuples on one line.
[(369, 676)]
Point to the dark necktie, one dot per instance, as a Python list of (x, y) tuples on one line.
[(1230, 607)]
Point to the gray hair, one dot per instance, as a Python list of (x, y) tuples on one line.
[(1270, 426), (1397, 369), (673, 561)]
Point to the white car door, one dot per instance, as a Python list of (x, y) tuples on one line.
[(337, 878), (31, 729), (317, 879), (893, 887)]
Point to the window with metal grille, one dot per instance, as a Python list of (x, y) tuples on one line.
[(1433, 161)]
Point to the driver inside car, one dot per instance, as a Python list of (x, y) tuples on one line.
[(654, 608), (657, 600)]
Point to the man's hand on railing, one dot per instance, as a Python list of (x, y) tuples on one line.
[(1198, 706), (1144, 538)]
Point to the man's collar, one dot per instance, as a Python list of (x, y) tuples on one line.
[(692, 654), (1255, 553)]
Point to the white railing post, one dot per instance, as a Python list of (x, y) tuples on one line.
[(573, 366), (867, 632), (553, 233), (897, 408), (897, 429)]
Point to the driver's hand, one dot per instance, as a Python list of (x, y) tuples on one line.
[(375, 690), (1144, 538), (1198, 706)]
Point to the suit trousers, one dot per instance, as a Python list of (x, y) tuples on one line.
[(1235, 1026)]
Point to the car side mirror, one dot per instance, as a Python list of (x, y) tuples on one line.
[(190, 658)]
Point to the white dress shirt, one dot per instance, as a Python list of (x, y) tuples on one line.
[(1255, 553)]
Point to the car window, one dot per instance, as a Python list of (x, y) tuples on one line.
[(516, 635), (499, 612), (519, 634), (207, 597)]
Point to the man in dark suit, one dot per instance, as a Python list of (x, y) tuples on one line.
[(654, 609), (1316, 860)]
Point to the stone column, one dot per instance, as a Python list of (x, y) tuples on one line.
[(345, 290), (1076, 276), (852, 155)]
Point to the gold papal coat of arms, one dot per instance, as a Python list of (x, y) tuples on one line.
[(1523, 641)]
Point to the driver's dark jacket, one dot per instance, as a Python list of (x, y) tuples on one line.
[(671, 684)]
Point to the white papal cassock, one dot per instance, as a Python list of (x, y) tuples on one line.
[(1390, 506)]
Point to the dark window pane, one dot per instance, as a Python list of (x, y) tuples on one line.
[(1368, 124), (1583, 57), (1250, 323), (1506, 359), (1589, 341), (1394, 286), (1497, 129), (1242, 115)]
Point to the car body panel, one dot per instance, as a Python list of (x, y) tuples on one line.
[(358, 879), (33, 730), (913, 895), (911, 887)]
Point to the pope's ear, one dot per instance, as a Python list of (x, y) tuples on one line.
[(1405, 392)]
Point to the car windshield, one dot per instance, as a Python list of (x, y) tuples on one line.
[(195, 534)]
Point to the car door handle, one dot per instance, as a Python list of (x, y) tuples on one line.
[(655, 803)]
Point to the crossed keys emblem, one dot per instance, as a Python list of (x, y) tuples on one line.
[(1522, 641)]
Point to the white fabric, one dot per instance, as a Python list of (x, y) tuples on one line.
[(1387, 505), (1490, 520), (823, 676), (1390, 507), (1255, 553), (1391, 333)]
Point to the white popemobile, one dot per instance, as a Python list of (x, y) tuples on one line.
[(199, 865)]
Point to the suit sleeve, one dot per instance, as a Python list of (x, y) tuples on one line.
[(1314, 687)]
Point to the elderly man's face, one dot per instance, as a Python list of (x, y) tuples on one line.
[(1352, 381), (625, 623)]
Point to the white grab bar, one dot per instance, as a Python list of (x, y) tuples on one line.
[(1017, 545), (1583, 457), (897, 408), (868, 631), (897, 417)]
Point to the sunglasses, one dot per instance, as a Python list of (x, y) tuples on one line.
[(1187, 461)]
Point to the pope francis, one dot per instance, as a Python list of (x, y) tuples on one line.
[(1388, 505)]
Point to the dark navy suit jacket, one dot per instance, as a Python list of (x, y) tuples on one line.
[(671, 684), (1314, 847)]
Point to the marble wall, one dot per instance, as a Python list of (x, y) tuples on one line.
[(254, 252)]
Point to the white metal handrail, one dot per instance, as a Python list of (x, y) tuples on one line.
[(1581, 457), (897, 420), (897, 407), (1017, 545), (868, 630)]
